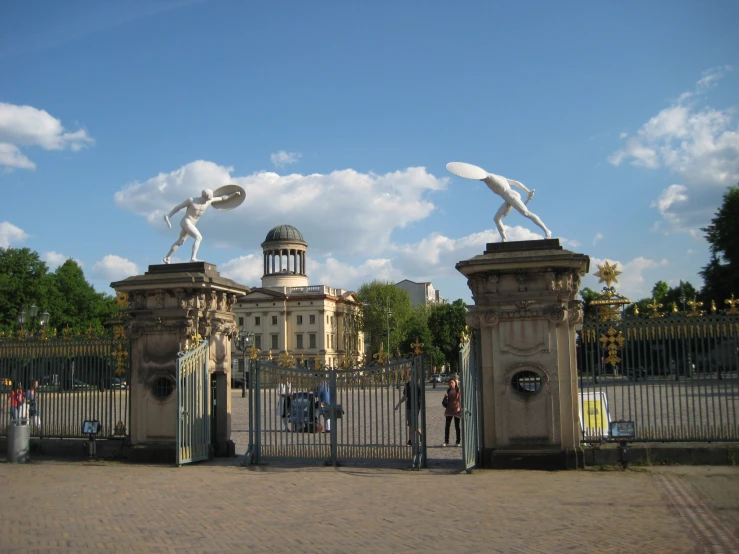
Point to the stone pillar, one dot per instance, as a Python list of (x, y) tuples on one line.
[(526, 308), (166, 306)]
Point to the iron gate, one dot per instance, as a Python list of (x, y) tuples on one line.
[(193, 417), (468, 367), (674, 374), (338, 414)]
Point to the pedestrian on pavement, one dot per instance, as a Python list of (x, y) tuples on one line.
[(324, 398), (32, 399), (452, 410), (17, 404), (408, 408), (284, 395)]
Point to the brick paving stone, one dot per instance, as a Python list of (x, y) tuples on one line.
[(223, 507)]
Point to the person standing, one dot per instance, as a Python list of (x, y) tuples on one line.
[(284, 395), (409, 415), (32, 399), (453, 410), (324, 397), (17, 404)]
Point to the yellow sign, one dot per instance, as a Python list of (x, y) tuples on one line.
[(594, 415)]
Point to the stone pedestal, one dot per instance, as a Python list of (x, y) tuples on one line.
[(526, 308), (168, 304)]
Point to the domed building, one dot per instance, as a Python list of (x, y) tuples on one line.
[(286, 314)]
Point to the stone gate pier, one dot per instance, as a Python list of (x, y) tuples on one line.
[(168, 305), (526, 308)]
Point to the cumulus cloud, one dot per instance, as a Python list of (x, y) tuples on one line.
[(597, 238), (11, 156), (10, 234), (343, 212), (246, 270), (55, 259), (114, 267), (29, 126), (282, 158), (697, 143), (632, 282)]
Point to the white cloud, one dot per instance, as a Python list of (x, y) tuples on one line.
[(632, 282), (10, 234), (343, 212), (114, 267), (246, 270), (282, 158), (29, 126), (697, 143), (11, 156), (597, 238), (55, 259)]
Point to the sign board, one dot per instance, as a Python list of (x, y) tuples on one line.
[(594, 416)]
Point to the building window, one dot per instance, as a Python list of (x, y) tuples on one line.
[(274, 342), (312, 318), (274, 320), (299, 342), (300, 320), (312, 340), (258, 341), (241, 322), (257, 321)]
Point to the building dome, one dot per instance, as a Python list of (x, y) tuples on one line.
[(284, 233)]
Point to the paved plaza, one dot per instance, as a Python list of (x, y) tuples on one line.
[(51, 506)]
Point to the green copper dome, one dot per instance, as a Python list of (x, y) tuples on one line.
[(284, 233)]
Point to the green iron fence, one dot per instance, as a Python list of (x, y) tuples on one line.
[(675, 375), (65, 381)]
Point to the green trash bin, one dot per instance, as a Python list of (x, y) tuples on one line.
[(19, 439)]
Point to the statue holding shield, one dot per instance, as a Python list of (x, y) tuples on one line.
[(225, 198)]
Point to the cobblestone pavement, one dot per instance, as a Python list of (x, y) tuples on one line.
[(222, 507)]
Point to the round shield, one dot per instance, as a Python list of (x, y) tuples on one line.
[(468, 171), (232, 202)]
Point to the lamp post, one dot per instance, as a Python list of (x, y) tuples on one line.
[(30, 317), (388, 314), (244, 342)]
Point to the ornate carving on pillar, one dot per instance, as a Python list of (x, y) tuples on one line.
[(473, 320), (523, 281), (160, 299), (491, 317)]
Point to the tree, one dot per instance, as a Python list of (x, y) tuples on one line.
[(447, 323), (721, 274), (24, 281), (417, 329), (377, 297), (65, 294), (588, 295)]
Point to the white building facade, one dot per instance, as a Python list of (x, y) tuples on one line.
[(422, 294), (286, 314)]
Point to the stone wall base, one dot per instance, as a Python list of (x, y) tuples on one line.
[(533, 459)]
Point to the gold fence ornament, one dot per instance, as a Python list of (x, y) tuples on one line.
[(381, 356), (417, 347), (731, 302), (655, 306), (695, 306), (253, 352)]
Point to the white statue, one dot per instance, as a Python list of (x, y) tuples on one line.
[(195, 208), (502, 187)]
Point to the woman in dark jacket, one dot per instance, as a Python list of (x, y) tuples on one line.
[(453, 409)]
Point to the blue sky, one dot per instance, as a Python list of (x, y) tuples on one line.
[(339, 118)]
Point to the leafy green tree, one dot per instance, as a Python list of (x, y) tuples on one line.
[(24, 281), (660, 290), (588, 295), (65, 294), (447, 323), (378, 297), (721, 274), (417, 328)]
